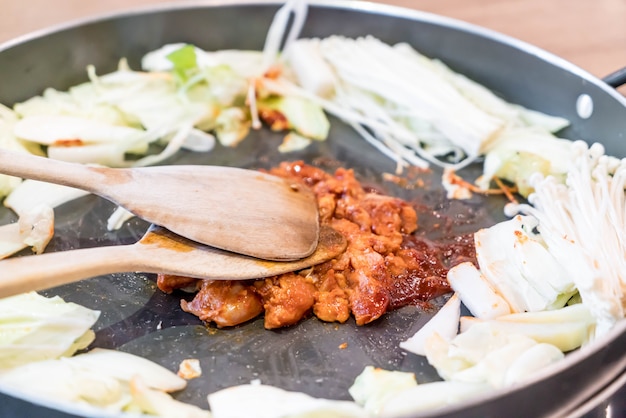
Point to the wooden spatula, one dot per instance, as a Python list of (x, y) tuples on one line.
[(159, 251), (242, 211)]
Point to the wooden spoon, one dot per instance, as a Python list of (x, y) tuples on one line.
[(158, 251), (243, 211)]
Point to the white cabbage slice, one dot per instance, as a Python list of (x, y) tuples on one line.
[(429, 397), (375, 386), (36, 328), (445, 323), (518, 266), (484, 354), (476, 293), (109, 380), (33, 193), (263, 401)]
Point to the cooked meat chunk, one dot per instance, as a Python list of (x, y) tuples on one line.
[(383, 267), (224, 302), (169, 282), (286, 298)]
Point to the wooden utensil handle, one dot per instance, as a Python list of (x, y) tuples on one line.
[(44, 271), (52, 171)]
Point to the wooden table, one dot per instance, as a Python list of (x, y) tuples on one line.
[(590, 34)]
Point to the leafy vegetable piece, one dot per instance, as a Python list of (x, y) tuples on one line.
[(231, 126), (519, 267), (430, 396), (374, 387), (73, 131), (32, 193), (293, 142), (520, 153), (445, 323), (61, 382), (303, 116), (107, 379), (566, 337), (34, 228), (36, 328), (10, 240), (161, 404), (184, 61), (263, 401), (489, 352), (244, 63), (531, 361), (199, 141), (8, 141), (123, 366), (476, 293), (37, 227)]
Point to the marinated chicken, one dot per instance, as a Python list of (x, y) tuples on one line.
[(384, 267)]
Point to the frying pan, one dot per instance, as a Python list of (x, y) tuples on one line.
[(138, 318)]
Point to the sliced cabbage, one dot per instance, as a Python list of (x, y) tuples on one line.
[(375, 386), (476, 293), (429, 397), (567, 328), (263, 401), (109, 380), (159, 403), (9, 141), (303, 116), (520, 153), (34, 228), (36, 328), (488, 355), (293, 142), (514, 260), (445, 323), (32, 193)]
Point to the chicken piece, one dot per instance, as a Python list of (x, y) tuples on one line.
[(332, 303), (170, 282), (286, 298), (227, 303)]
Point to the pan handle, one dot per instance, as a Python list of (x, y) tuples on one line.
[(616, 79)]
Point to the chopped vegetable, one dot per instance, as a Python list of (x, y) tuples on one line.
[(109, 380), (303, 116), (567, 328), (476, 292), (484, 354), (263, 401), (582, 224), (445, 322), (32, 193), (517, 265), (374, 387), (33, 229), (35, 328), (429, 397), (184, 61), (519, 154)]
